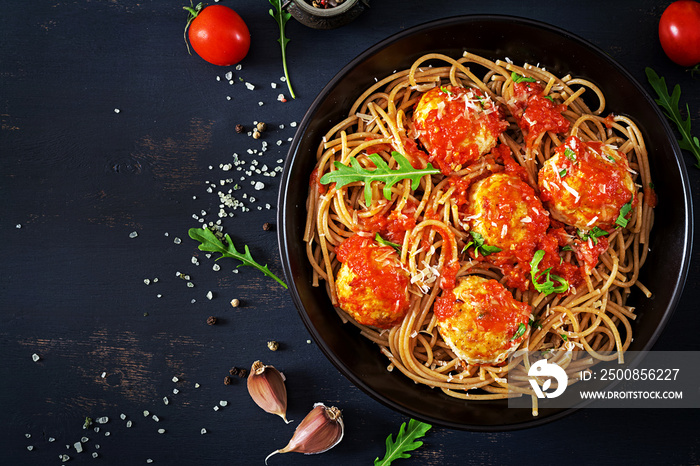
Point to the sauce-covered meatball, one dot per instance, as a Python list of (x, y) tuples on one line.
[(507, 213), (457, 125), (586, 184), (481, 321), (371, 284)]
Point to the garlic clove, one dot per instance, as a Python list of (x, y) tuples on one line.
[(267, 389), (319, 431)]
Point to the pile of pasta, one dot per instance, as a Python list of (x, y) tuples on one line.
[(592, 318)]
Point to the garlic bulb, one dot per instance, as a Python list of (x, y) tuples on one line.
[(266, 387), (319, 431)]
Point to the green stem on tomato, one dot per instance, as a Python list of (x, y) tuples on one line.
[(193, 12)]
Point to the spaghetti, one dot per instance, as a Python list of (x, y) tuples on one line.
[(585, 237)]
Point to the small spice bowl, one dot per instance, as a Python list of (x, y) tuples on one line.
[(325, 18)]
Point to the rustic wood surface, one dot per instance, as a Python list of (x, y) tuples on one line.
[(77, 177)]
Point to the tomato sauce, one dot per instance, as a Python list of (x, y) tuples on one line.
[(650, 198), (535, 113), (392, 227), (588, 252), (498, 311), (377, 274), (453, 131), (316, 178)]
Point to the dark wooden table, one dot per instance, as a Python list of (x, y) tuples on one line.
[(109, 127)]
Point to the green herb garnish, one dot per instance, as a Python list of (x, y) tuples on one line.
[(562, 173), (547, 287), (550, 98), (378, 238), (479, 246), (349, 174), (446, 90), (281, 16), (593, 234), (193, 12), (621, 220), (670, 103), (535, 323), (517, 78), (520, 332), (213, 244), (87, 423), (570, 154), (564, 337), (406, 440)]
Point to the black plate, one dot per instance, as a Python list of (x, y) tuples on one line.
[(494, 37)]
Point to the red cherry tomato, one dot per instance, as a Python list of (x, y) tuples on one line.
[(219, 35), (679, 32)]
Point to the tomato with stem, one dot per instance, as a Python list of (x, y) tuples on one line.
[(217, 33)]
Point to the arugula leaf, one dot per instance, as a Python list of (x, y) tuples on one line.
[(281, 16), (621, 220), (378, 238), (517, 78), (520, 332), (593, 234), (213, 244), (345, 175), (534, 323), (547, 287), (670, 104), (479, 245), (406, 440)]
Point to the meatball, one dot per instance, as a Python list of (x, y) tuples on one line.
[(481, 321), (371, 284), (457, 125), (586, 184), (507, 213)]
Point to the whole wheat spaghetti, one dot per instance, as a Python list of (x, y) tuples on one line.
[(592, 268)]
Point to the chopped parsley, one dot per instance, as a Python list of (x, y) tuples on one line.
[(570, 154), (479, 245), (446, 90), (547, 286), (378, 238), (517, 78), (535, 323), (593, 234), (621, 220), (520, 332)]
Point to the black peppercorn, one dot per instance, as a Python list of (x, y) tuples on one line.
[(240, 129), (211, 320), (228, 380)]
